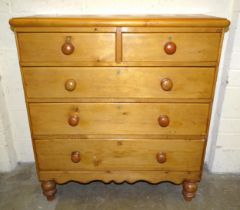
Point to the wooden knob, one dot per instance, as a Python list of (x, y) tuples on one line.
[(70, 85), (166, 84), (163, 120), (67, 47), (161, 157), (73, 119), (170, 48), (75, 157)]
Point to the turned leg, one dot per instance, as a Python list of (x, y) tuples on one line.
[(189, 189), (49, 189)]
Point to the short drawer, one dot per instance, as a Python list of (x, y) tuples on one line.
[(118, 118), (171, 47), (98, 154), (118, 82), (66, 48)]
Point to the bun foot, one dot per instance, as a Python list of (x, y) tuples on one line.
[(189, 189), (49, 189)]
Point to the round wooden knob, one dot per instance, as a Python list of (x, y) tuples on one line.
[(170, 48), (166, 84), (75, 157), (73, 119), (67, 47), (163, 120), (70, 85), (161, 157)]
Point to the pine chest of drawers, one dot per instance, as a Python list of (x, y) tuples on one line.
[(119, 98)]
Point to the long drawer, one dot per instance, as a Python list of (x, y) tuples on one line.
[(118, 82), (141, 154), (181, 47), (48, 47), (118, 118)]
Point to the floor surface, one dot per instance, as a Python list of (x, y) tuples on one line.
[(20, 190)]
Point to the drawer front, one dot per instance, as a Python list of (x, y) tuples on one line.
[(82, 154), (48, 47), (190, 47), (118, 82), (118, 118)]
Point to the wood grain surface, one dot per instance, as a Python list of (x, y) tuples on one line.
[(118, 82), (191, 47), (46, 47), (119, 98), (118, 118), (181, 155)]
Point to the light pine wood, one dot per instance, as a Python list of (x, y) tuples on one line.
[(119, 136), (108, 176), (118, 45), (140, 154), (191, 47), (46, 47), (109, 100), (122, 64), (118, 118), (114, 29), (118, 82), (117, 100), (166, 29), (213, 90), (49, 189), (189, 189), (120, 20), (70, 29)]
